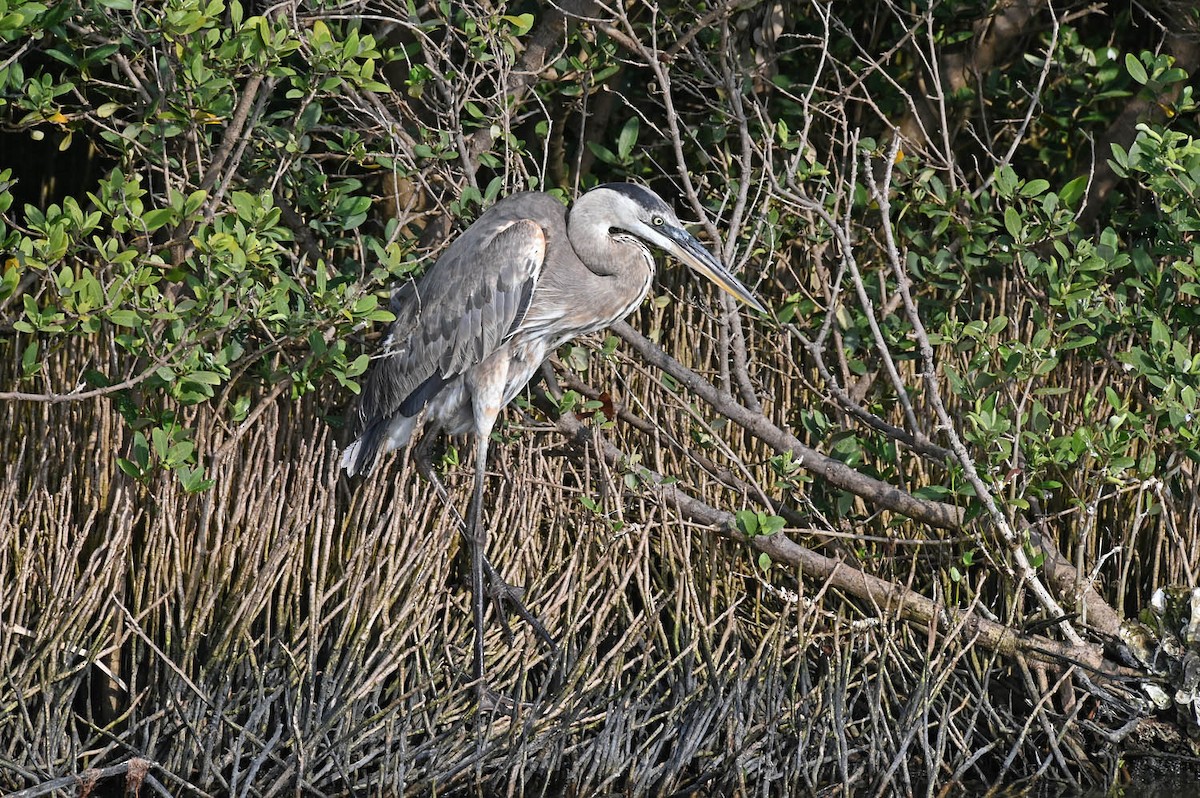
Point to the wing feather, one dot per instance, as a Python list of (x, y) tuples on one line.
[(455, 316)]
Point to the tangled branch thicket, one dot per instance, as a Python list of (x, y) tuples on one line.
[(894, 540)]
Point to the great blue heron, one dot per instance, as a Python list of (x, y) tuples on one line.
[(520, 281)]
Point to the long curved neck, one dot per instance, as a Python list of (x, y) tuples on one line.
[(621, 259), (593, 240), (592, 279)]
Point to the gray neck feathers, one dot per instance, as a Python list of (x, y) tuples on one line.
[(607, 273), (591, 237)]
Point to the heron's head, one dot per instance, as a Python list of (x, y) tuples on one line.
[(640, 212)]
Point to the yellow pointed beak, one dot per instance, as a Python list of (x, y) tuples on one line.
[(684, 246)]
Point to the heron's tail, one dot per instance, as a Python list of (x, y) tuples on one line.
[(379, 437), (352, 456)]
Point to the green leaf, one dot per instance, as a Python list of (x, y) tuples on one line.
[(157, 218), (764, 561), (1073, 191), (1046, 366), (522, 23), (181, 452), (1006, 181), (124, 318), (141, 450), (1012, 222), (316, 343), (192, 479), (29, 361), (194, 201), (204, 377), (747, 522), (1159, 333), (10, 280), (770, 524), (1172, 75), (1035, 188), (1119, 161), (578, 358), (602, 152), (161, 443), (1135, 69), (365, 304), (628, 137)]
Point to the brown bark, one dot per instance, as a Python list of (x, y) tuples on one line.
[(838, 474)]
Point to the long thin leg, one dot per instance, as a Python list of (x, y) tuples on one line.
[(478, 536), (505, 596)]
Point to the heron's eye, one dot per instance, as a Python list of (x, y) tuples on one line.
[(658, 221)]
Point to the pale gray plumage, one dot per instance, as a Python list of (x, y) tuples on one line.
[(520, 281), (513, 285)]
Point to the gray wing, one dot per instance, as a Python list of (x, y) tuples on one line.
[(457, 314)]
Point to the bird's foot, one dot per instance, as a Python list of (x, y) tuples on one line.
[(492, 702), (501, 592), (509, 598)]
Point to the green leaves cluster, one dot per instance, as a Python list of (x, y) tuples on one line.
[(1117, 306), (218, 261), (756, 523), (1090, 378)]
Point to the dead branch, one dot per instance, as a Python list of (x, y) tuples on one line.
[(846, 576), (936, 514)]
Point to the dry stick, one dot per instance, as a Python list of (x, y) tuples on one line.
[(206, 699), (860, 387), (733, 336), (846, 576), (868, 307), (654, 59), (721, 12), (135, 770), (247, 423), (915, 440), (840, 475), (243, 139), (550, 33), (1062, 575), (234, 139), (1065, 579), (918, 443), (55, 398), (1034, 102), (233, 133), (722, 474), (76, 396), (1026, 571), (874, 68), (731, 318), (650, 58), (938, 93)]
